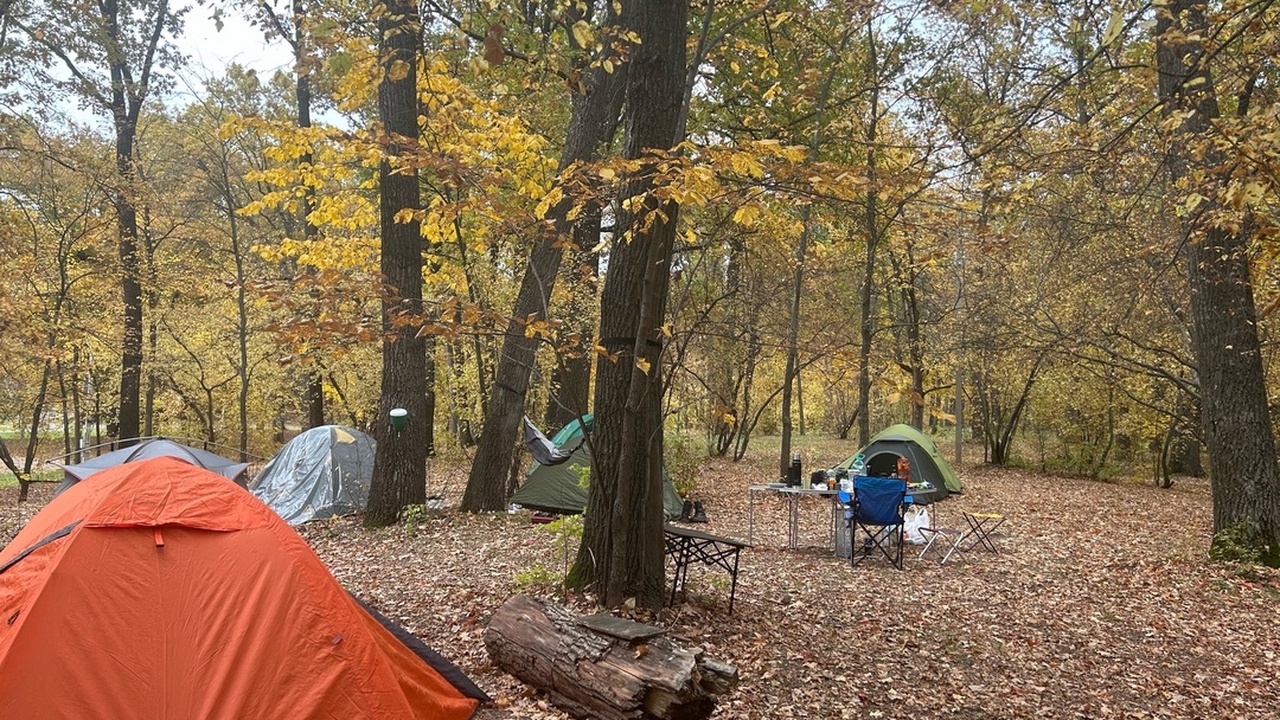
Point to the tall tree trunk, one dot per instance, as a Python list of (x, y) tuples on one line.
[(33, 440), (745, 424), (126, 102), (63, 391), (1233, 390), (399, 468), (797, 279), (905, 275), (793, 327), (242, 308), (593, 119), (314, 396), (151, 310), (867, 324), (302, 92), (960, 346), (622, 544), (128, 419), (77, 413), (571, 378)]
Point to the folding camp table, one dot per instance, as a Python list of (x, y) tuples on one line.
[(793, 495), (684, 545)]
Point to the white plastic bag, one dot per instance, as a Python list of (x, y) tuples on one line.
[(916, 518)]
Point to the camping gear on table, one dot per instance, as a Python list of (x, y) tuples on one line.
[(895, 442), (153, 448), (561, 488), (324, 471), (162, 590), (793, 471)]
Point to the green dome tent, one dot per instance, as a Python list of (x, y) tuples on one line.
[(881, 458), (559, 489)]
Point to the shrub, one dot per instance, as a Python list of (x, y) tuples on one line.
[(683, 460), (1237, 543)]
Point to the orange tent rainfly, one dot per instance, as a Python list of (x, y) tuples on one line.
[(160, 590)]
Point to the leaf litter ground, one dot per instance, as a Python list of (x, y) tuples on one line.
[(1100, 604)]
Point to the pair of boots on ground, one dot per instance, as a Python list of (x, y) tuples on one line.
[(693, 512)]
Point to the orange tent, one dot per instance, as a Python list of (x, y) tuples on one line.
[(160, 590)]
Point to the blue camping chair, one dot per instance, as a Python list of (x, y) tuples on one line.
[(876, 508)]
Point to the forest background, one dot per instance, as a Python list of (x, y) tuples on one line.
[(986, 214)]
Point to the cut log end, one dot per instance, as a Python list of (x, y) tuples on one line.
[(590, 674)]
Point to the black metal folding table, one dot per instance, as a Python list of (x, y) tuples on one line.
[(684, 545)]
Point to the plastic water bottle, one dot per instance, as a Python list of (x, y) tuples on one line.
[(859, 465)]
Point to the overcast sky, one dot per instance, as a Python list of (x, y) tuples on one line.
[(238, 41)]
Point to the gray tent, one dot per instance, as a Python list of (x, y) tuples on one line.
[(323, 472), (154, 448), (559, 488)]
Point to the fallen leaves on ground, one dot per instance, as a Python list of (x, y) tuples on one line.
[(1100, 604)]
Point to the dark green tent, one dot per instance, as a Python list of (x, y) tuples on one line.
[(880, 457), (561, 488)]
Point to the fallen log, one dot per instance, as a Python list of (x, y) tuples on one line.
[(602, 667)]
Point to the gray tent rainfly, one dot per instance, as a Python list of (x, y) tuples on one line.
[(154, 448), (324, 471)]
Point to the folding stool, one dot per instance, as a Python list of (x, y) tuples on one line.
[(981, 526), (948, 541)]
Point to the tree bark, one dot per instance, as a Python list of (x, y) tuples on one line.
[(867, 293), (593, 119), (399, 468), (797, 280), (24, 480), (622, 545), (571, 378), (126, 100), (793, 335), (590, 674), (1234, 413), (906, 276), (302, 93), (128, 420)]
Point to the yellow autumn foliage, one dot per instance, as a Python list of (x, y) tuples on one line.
[(485, 173)]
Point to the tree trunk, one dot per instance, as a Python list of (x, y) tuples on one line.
[(1186, 451), (571, 378), (593, 119), (302, 93), (77, 413), (126, 103), (1233, 390), (867, 293), (793, 335), (745, 423), (24, 480), (399, 468), (622, 544), (797, 280), (128, 420), (915, 347), (620, 674)]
